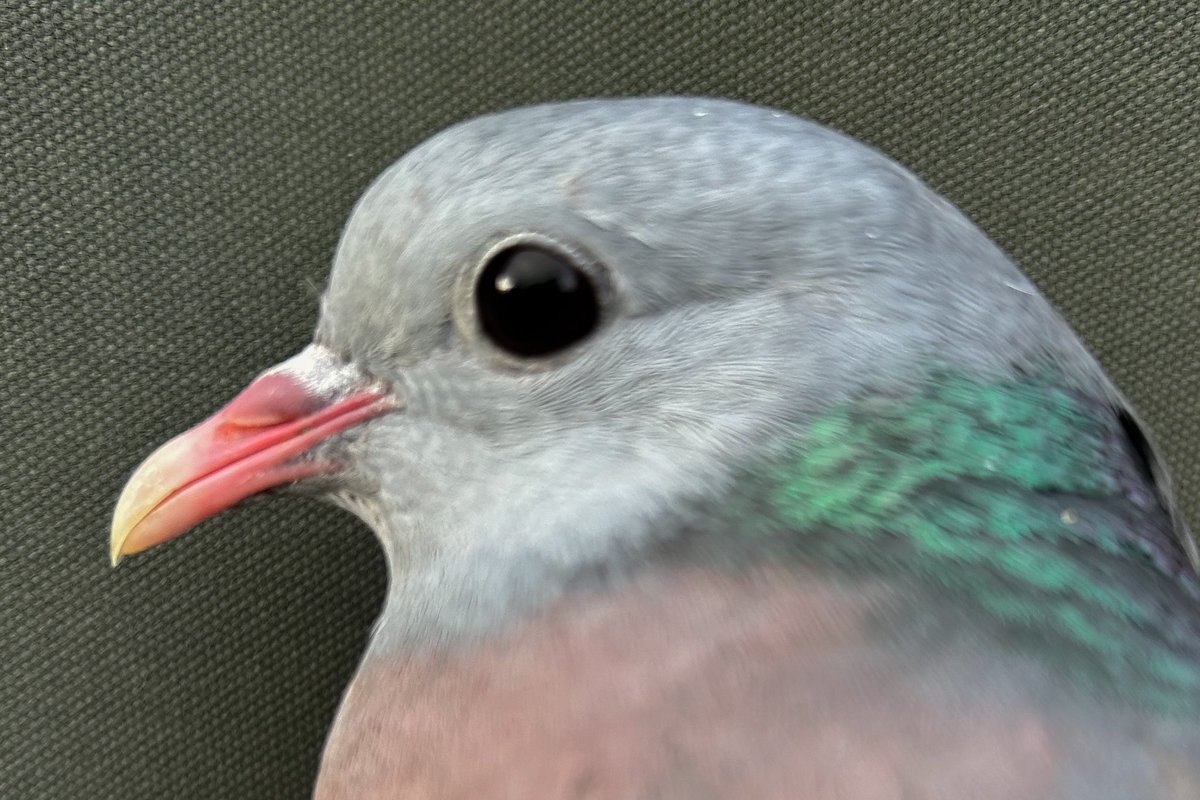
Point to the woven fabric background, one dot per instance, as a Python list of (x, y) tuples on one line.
[(173, 177)]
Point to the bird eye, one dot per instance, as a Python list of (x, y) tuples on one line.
[(534, 302)]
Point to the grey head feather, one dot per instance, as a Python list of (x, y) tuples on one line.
[(759, 268)]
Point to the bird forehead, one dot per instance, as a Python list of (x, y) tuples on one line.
[(641, 153)]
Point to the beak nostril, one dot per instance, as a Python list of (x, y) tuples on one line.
[(273, 399)]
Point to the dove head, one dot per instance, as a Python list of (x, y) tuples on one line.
[(594, 312), (550, 333)]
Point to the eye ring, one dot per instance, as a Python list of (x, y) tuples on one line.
[(532, 301)]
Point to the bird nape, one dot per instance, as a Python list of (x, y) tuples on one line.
[(714, 455)]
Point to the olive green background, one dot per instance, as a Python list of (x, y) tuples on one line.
[(172, 183)]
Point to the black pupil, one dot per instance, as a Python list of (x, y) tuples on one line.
[(534, 302)]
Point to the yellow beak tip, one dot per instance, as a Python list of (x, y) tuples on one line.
[(115, 553), (116, 543)]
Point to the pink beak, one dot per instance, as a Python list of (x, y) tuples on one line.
[(250, 445)]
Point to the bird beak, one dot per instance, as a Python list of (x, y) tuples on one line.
[(251, 445)]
